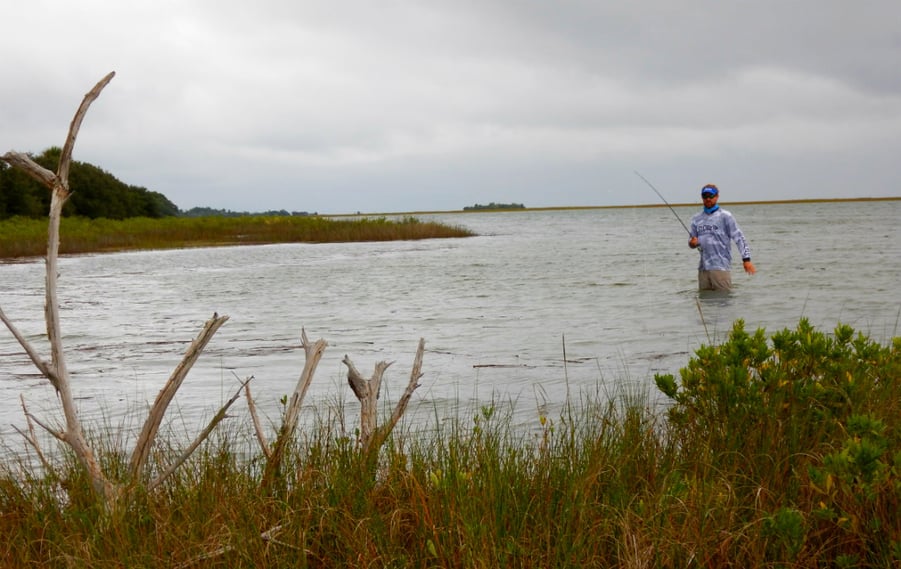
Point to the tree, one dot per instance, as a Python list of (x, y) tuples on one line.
[(94, 193), (21, 195)]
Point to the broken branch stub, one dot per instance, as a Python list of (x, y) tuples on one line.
[(274, 457), (255, 419), (312, 355), (26, 164), (401, 407), (367, 392)]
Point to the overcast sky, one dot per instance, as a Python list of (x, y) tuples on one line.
[(412, 105)]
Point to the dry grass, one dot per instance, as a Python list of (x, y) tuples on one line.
[(609, 483)]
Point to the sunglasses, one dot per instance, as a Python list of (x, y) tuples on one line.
[(706, 195)]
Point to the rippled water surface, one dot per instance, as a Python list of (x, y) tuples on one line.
[(614, 291)]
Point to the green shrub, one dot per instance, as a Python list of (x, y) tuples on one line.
[(804, 430)]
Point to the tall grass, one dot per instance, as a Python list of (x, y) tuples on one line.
[(23, 237), (781, 452)]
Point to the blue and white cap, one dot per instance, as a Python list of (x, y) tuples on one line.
[(710, 190)]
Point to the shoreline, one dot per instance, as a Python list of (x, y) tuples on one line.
[(240, 234), (583, 207)]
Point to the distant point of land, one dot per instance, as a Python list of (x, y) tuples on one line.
[(581, 207), (494, 206)]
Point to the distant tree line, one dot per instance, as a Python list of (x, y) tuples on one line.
[(95, 193), (211, 212), (493, 205)]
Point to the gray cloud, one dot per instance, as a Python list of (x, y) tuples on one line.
[(397, 106)]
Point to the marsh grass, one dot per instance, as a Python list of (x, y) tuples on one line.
[(781, 452), (22, 237)]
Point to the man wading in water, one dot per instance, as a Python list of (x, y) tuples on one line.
[(713, 230)]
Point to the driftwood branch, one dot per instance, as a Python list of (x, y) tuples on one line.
[(56, 371), (367, 392), (399, 409), (267, 536), (312, 354), (217, 418), (39, 362), (31, 438), (26, 164), (66, 156), (55, 433), (165, 396), (255, 419)]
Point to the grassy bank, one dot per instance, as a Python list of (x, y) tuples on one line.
[(781, 451), (21, 237)]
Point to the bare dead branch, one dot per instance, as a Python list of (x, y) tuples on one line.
[(267, 536), (367, 391), (355, 379), (31, 438), (56, 371), (30, 167), (73, 435), (271, 532), (312, 354), (219, 551), (217, 418), (401, 407), (36, 359), (255, 419), (56, 433), (165, 396), (66, 156)]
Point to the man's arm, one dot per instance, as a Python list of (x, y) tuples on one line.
[(743, 247)]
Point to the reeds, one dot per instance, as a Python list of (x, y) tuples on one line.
[(22, 237), (779, 454)]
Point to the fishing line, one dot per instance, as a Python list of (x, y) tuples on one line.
[(650, 185), (664, 201)]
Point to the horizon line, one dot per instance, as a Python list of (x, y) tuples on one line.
[(574, 207)]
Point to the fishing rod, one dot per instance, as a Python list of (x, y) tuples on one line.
[(664, 201)]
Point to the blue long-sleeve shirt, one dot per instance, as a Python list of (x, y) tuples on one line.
[(715, 232)]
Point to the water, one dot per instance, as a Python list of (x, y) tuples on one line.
[(614, 291)]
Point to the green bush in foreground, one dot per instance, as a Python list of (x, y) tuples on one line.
[(804, 431), (772, 453)]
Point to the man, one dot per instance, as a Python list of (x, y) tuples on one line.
[(713, 230)]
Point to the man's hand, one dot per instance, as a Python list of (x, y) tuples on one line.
[(693, 242), (749, 267)]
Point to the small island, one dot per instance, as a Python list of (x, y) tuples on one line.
[(494, 206)]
